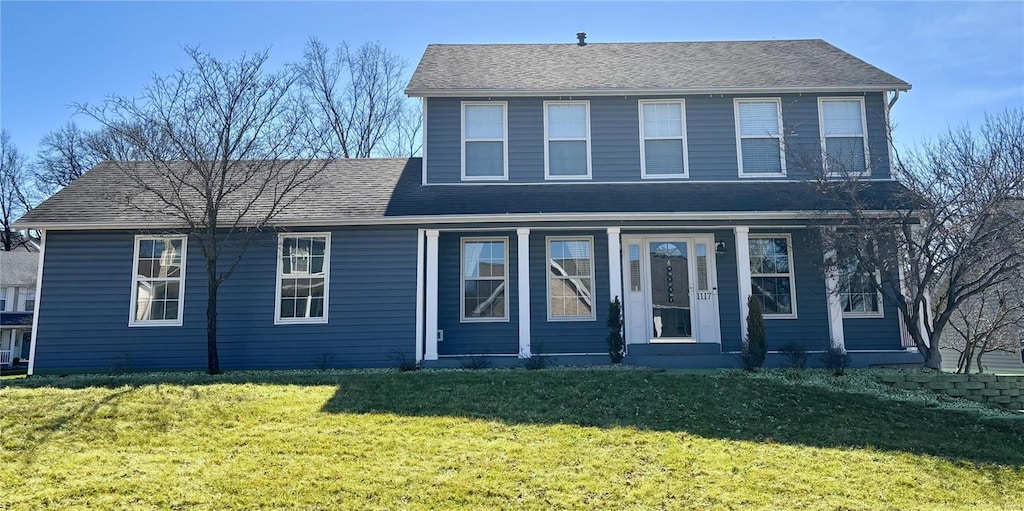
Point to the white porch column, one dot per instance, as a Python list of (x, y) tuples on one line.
[(614, 263), (835, 306), (35, 310), (420, 247), (523, 259), (743, 274), (430, 352)]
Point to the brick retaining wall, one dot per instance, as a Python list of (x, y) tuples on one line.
[(1000, 391)]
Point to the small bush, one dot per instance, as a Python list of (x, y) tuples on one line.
[(535, 362), (323, 361), (755, 349), (616, 343), (475, 362), (795, 355), (403, 361), (836, 360), (121, 363)]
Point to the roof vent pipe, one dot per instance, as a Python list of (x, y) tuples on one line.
[(582, 36)]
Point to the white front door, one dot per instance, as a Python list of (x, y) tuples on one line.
[(670, 291)]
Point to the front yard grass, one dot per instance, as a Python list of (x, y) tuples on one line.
[(500, 439)]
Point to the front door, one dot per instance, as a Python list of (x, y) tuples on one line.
[(670, 293)]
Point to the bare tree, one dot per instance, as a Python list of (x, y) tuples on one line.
[(988, 322), (64, 155), (405, 139), (951, 233), (15, 194), (70, 151), (227, 147), (357, 94)]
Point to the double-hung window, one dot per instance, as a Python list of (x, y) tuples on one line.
[(567, 139), (663, 139), (570, 278), (303, 268), (859, 291), (28, 300), (843, 135), (4, 299), (158, 281), (484, 141), (759, 144), (484, 279), (771, 274)]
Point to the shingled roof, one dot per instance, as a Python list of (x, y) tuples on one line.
[(368, 191), (670, 67)]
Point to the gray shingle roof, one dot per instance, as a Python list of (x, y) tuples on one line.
[(373, 190), (785, 65)]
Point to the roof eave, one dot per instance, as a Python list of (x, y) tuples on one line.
[(468, 218), (476, 92)]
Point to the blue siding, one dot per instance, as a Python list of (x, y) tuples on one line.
[(728, 293), (492, 338), (589, 336), (86, 293), (615, 137), (810, 329)]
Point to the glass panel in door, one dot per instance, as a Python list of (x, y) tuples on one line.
[(670, 290)]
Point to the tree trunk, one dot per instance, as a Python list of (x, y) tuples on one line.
[(212, 360), (981, 369), (932, 355)]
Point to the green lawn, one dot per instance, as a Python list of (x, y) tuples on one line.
[(500, 439)]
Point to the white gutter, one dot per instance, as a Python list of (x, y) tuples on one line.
[(462, 219), (481, 92)]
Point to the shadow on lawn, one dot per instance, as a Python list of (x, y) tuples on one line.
[(735, 408)]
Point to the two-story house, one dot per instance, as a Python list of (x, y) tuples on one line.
[(554, 178), (18, 271)]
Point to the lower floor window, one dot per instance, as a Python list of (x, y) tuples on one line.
[(858, 288), (484, 279), (158, 280), (570, 278), (771, 274), (303, 265)]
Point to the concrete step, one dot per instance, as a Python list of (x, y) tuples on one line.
[(679, 348), (682, 361)]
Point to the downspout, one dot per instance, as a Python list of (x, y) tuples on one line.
[(888, 131)]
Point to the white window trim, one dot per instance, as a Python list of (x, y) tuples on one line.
[(864, 136), (7, 297), (23, 299), (643, 138), (133, 306), (503, 140), (792, 271), (739, 137), (547, 273), (278, 320), (547, 140), (880, 313), (462, 281)]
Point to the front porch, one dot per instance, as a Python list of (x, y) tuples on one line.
[(503, 292)]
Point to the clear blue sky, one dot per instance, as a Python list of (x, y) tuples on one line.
[(963, 59)]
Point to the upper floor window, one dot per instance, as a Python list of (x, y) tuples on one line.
[(6, 296), (759, 143), (303, 265), (663, 139), (28, 300), (158, 281), (566, 139), (771, 274), (484, 140), (484, 279), (843, 135), (570, 278)]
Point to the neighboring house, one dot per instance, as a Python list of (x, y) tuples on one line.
[(18, 270), (554, 178)]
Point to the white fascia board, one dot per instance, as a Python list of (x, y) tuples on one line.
[(424, 92), (511, 217)]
